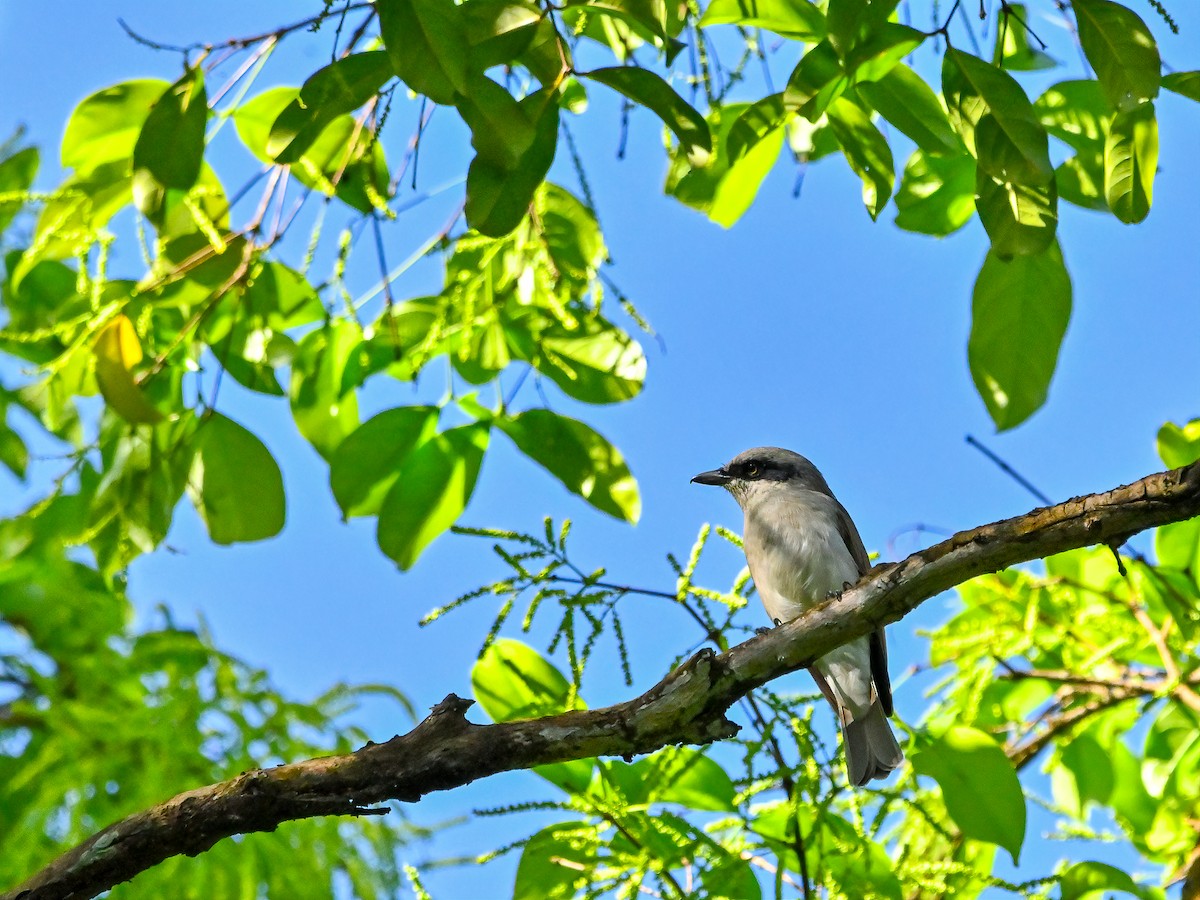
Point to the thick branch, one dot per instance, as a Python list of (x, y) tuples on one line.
[(688, 706)]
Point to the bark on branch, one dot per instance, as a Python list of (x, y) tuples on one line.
[(688, 706)]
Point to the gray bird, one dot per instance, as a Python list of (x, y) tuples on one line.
[(801, 546)]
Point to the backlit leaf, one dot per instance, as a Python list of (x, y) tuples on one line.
[(118, 350), (1130, 162), (324, 406), (432, 489), (366, 464), (866, 151), (335, 90), (996, 119), (235, 483), (797, 19), (1121, 49), (1018, 219), (426, 41), (579, 457), (1186, 84), (936, 194), (979, 786), (170, 146), (649, 90), (104, 127), (1019, 314), (909, 103)]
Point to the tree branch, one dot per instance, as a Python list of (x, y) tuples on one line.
[(446, 751)]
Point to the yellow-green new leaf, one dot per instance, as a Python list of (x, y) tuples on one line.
[(235, 483), (432, 489), (324, 406), (1019, 314), (583, 460), (936, 194), (1130, 161), (118, 350), (105, 126)]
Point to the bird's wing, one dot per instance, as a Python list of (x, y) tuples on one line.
[(879, 668)]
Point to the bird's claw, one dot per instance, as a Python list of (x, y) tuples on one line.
[(763, 629)]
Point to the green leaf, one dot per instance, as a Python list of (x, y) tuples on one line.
[(1177, 546), (907, 102), (797, 19), (1121, 49), (1080, 180), (332, 91), (996, 119), (680, 775), (500, 187), (1020, 220), (979, 786), (426, 41), (745, 157), (1130, 161), (501, 132), (1185, 84), (596, 362), (16, 176), (881, 51), (324, 407), (235, 483), (867, 152), (817, 81), (850, 22), (649, 90), (170, 147), (104, 127), (433, 485), (586, 463), (1179, 446), (1019, 314), (1075, 112), (937, 193), (367, 463), (553, 864), (1089, 879), (1012, 50), (1084, 773), (499, 31), (649, 14), (511, 680)]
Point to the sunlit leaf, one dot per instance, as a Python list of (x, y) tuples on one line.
[(552, 864), (866, 151), (324, 406), (797, 19), (649, 90), (1130, 162), (676, 775), (979, 786), (1095, 880), (1186, 84), (996, 119), (104, 127), (426, 41), (1075, 112), (909, 103), (1121, 49), (1013, 50), (16, 176), (235, 483), (335, 90), (596, 362), (118, 350), (579, 457), (817, 81), (170, 146), (936, 194), (1020, 220), (432, 488), (1019, 314), (366, 464)]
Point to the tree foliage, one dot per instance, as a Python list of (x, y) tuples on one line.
[(1085, 668)]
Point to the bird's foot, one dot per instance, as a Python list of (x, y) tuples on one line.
[(834, 595), (765, 630)]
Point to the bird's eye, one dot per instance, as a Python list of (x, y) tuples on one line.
[(753, 469)]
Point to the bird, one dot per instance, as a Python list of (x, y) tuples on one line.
[(801, 546)]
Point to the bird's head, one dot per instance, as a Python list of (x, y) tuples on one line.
[(760, 471)]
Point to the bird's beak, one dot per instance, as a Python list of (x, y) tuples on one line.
[(716, 476)]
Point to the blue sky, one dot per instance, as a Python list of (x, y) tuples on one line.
[(806, 325)]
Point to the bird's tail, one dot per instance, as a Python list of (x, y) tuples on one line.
[(871, 748)]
